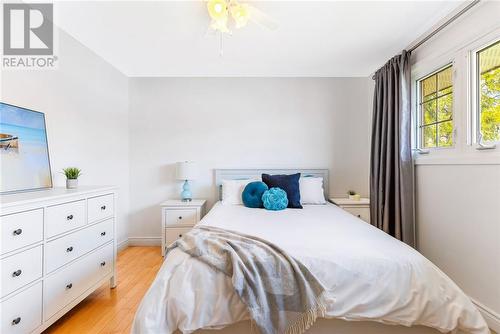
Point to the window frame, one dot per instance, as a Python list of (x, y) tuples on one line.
[(473, 92), (419, 126)]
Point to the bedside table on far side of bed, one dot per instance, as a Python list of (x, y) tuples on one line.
[(177, 218), (360, 209)]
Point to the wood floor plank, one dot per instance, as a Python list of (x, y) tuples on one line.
[(111, 311)]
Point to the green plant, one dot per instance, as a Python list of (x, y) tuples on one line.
[(351, 192), (72, 173)]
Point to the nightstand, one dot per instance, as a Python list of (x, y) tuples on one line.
[(178, 217), (360, 209)]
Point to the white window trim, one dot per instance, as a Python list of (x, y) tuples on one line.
[(474, 98), (464, 150), (418, 111)]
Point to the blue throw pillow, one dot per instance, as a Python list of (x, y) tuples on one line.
[(275, 199), (289, 183), (252, 194)]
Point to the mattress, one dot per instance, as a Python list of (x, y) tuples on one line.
[(369, 275)]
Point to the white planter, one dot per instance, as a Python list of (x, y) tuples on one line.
[(71, 183)]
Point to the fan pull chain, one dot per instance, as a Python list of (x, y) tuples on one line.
[(221, 50)]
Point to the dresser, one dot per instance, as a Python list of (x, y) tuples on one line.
[(360, 208), (57, 246), (178, 217)]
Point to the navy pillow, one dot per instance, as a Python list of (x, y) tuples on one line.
[(252, 194), (289, 183)]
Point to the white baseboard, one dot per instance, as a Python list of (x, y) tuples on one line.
[(122, 245), (144, 241), (492, 318)]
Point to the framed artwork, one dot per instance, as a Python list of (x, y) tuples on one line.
[(24, 150)]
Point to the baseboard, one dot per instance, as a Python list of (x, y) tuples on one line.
[(144, 241), (122, 245), (492, 318)]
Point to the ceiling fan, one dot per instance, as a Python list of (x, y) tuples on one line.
[(225, 13)]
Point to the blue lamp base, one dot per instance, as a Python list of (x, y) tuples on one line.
[(186, 195)]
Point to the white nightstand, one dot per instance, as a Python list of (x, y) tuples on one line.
[(178, 217), (359, 208)]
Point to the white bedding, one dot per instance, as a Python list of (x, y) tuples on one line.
[(370, 275)]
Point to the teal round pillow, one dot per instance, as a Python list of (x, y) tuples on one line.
[(252, 194), (275, 199)]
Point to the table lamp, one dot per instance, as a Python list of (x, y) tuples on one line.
[(186, 171)]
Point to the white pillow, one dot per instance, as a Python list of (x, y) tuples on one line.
[(232, 190), (311, 190)]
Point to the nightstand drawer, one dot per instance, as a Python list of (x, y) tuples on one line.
[(360, 212), (174, 233), (181, 216)]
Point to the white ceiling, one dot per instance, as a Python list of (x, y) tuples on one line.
[(314, 38)]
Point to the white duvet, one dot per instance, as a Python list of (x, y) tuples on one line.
[(369, 275)]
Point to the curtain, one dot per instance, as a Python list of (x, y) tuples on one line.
[(391, 165)]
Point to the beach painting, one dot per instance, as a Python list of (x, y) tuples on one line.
[(24, 153)]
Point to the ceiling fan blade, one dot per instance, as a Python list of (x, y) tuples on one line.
[(262, 19)]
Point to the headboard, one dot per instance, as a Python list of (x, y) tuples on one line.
[(235, 174)]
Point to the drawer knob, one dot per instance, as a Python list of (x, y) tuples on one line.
[(103, 263), (180, 235), (17, 273), (103, 207), (180, 217), (69, 286), (103, 233), (359, 216), (17, 232), (16, 321), (70, 217), (69, 249)]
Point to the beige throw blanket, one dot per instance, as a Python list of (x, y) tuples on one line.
[(281, 294)]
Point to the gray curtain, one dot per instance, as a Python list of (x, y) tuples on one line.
[(391, 166)]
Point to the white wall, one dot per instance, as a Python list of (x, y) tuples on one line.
[(243, 123), (458, 190), (85, 101)]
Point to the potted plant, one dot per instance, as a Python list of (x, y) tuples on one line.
[(72, 174), (353, 196)]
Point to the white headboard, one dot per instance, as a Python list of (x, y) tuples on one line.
[(235, 174)]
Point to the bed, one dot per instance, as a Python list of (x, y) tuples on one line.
[(376, 283)]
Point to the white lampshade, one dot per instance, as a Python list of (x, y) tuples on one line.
[(186, 170)]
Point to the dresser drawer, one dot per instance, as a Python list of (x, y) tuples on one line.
[(65, 249), (181, 216), (360, 212), (174, 233), (64, 217), (20, 269), (22, 313), (65, 285), (20, 229), (100, 207)]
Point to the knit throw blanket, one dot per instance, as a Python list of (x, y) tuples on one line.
[(281, 294)]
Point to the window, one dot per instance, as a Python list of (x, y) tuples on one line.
[(488, 92), (436, 109)]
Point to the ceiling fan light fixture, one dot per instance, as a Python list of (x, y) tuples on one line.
[(217, 9), (240, 14)]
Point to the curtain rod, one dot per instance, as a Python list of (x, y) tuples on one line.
[(445, 24)]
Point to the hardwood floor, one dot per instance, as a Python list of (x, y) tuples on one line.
[(112, 310)]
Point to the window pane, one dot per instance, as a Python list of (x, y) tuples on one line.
[(436, 109), (428, 88), (445, 107), (429, 136), (489, 92), (444, 79), (429, 115), (445, 134)]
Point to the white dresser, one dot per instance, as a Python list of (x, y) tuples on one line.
[(56, 247), (359, 208), (178, 217)]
